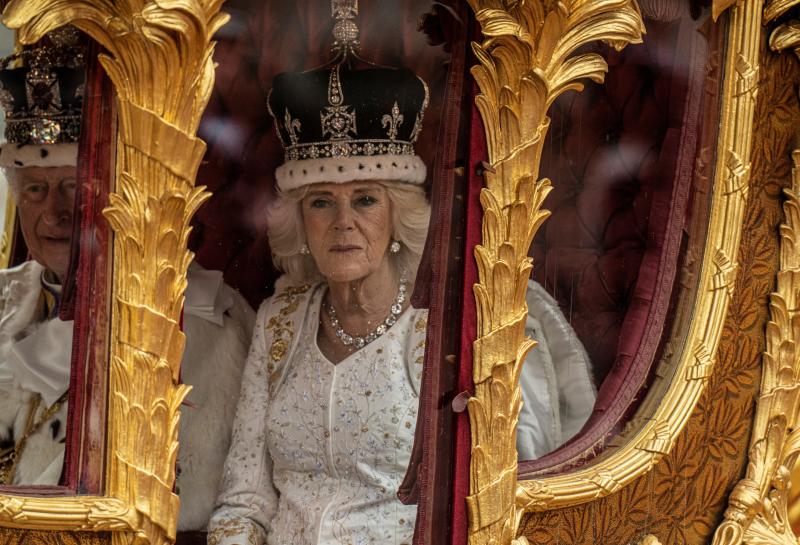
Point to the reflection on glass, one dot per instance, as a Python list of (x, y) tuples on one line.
[(624, 158), (330, 395), (41, 93)]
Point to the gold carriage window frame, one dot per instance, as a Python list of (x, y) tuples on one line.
[(145, 330)]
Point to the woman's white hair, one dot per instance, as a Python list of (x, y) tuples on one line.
[(411, 213)]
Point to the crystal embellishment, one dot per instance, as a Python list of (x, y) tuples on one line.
[(393, 121), (338, 122), (360, 342)]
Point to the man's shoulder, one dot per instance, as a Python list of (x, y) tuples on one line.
[(26, 271), (20, 283)]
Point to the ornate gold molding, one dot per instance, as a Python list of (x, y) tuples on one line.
[(79, 514), (695, 361), (159, 59), (758, 510), (787, 34), (526, 61)]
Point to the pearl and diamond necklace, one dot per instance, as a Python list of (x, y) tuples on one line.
[(360, 342)]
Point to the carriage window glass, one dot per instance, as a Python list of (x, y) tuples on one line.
[(41, 93), (321, 151), (626, 201)]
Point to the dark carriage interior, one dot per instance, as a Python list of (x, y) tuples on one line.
[(627, 160)]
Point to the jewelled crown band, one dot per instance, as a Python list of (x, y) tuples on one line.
[(340, 124), (41, 92)]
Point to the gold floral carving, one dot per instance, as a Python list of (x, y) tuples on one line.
[(527, 59), (695, 361), (758, 509), (159, 59), (682, 499)]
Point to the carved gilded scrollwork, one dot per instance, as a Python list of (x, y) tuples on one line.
[(787, 34), (656, 434), (526, 61), (758, 510), (159, 59)]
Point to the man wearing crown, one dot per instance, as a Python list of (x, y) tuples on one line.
[(41, 91)]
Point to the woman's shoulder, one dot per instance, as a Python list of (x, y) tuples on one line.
[(289, 296)]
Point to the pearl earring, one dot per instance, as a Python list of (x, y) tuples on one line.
[(304, 250), (394, 247)]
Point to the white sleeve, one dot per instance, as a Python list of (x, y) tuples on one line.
[(558, 394), (576, 390), (415, 348), (248, 501)]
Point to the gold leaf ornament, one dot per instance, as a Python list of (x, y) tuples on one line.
[(160, 61), (525, 62)]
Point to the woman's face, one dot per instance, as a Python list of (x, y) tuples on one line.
[(348, 228)]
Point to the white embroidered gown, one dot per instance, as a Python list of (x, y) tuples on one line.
[(319, 450)]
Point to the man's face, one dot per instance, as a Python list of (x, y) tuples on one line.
[(45, 201)]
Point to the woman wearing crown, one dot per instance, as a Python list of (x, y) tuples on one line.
[(330, 392)]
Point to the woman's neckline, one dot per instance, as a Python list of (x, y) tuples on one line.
[(317, 318)]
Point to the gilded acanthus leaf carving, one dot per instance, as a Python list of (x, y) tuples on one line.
[(160, 61), (527, 59), (787, 34), (709, 454), (758, 509)]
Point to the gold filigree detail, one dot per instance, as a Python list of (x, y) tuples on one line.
[(637, 453), (160, 61), (281, 327), (758, 510), (758, 507), (233, 527), (527, 59), (787, 34)]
